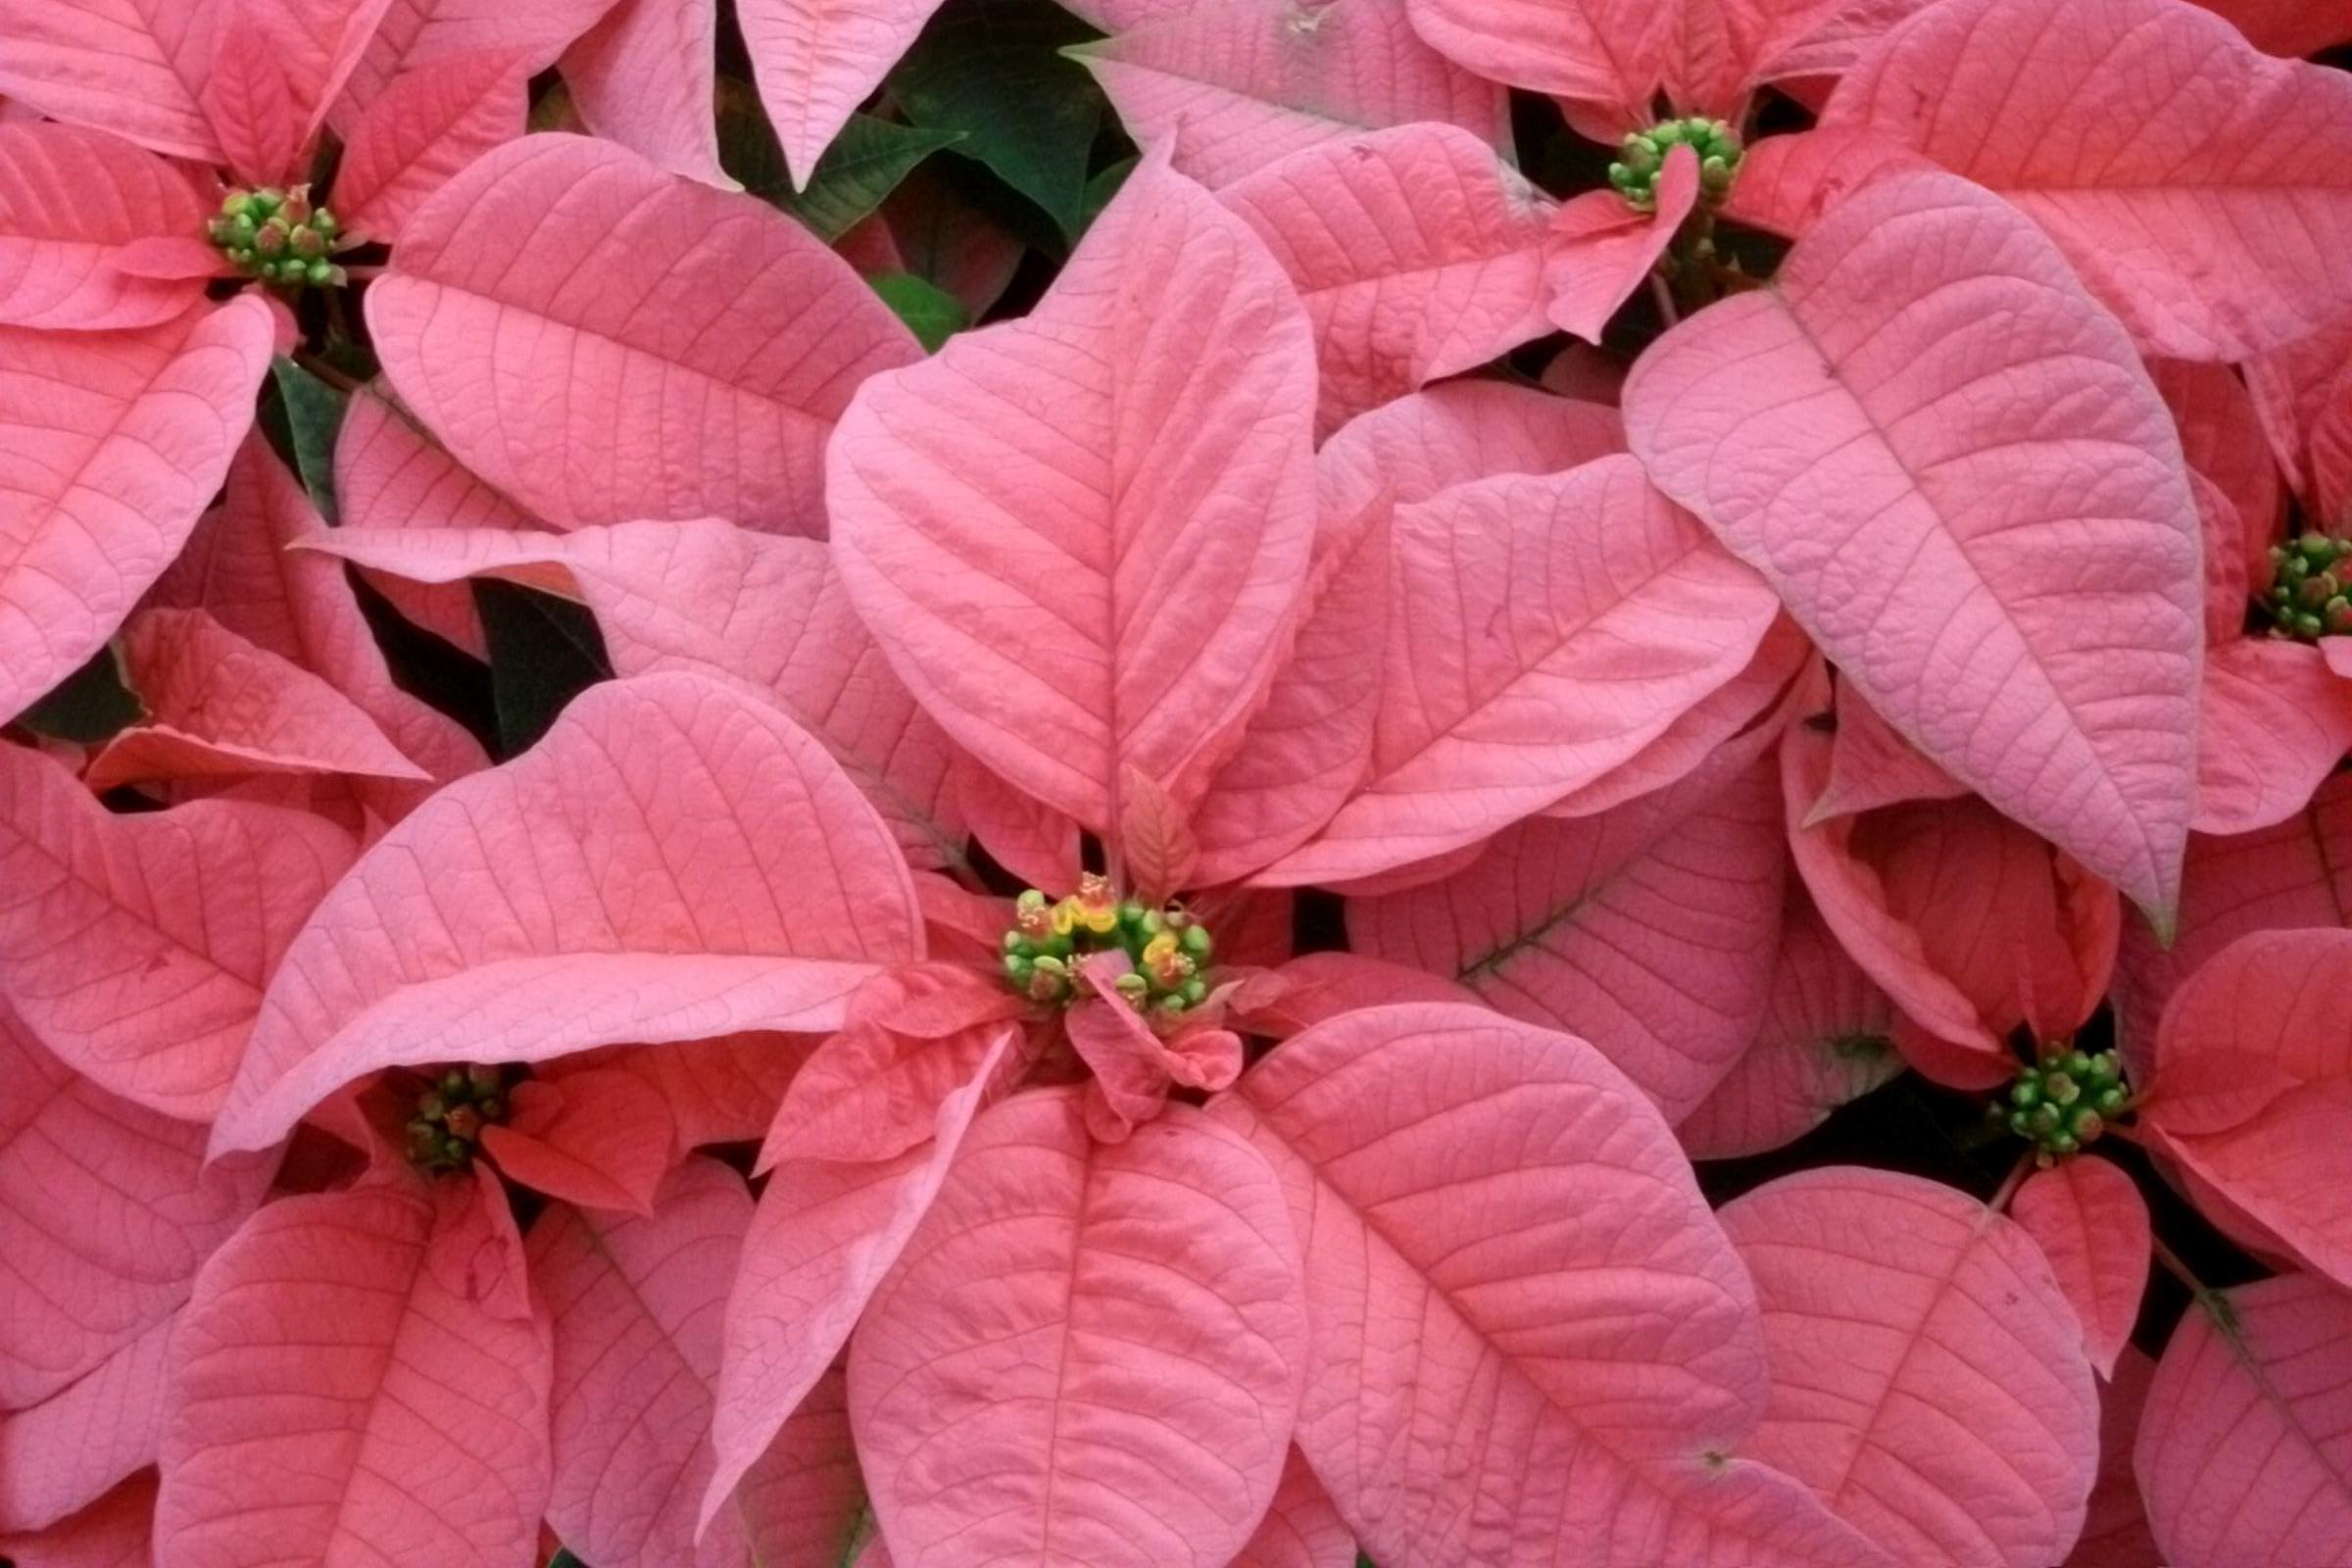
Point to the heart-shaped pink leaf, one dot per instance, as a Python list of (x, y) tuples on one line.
[(1417, 252), (709, 596), (1132, 552), (1551, 627), (105, 1211), (1928, 1374), (2243, 1456), (2142, 136), (1827, 1038), (2264, 1005), (425, 127), (1887, 464), (816, 61), (647, 76), (346, 1358), (1507, 1262), (1034, 1367), (636, 1305), (136, 947), (1231, 86), (1650, 931), (64, 1454), (823, 1238), (118, 439), (2092, 1225), (219, 707), (68, 199), (758, 892), (543, 319)]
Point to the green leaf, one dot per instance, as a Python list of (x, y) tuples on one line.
[(544, 652), (1104, 186), (89, 706), (864, 164), (565, 1559), (930, 312), (993, 70), (314, 415)]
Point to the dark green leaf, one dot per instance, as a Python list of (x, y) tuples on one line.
[(314, 414), (930, 312), (565, 1559), (993, 70), (544, 652), (858, 171), (1105, 185), (87, 706)]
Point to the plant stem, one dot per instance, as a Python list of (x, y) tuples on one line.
[(1664, 295), (1998, 1202)]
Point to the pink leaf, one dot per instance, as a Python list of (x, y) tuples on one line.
[(804, 1504), (709, 596), (238, 567), (2287, 28), (1133, 1069), (816, 60), (136, 947), (1132, 553), (2221, 437), (105, 1211), (2115, 1531), (2277, 719), (1928, 1374), (68, 200), (424, 33), (1787, 182), (823, 1237), (756, 890), (390, 474), (63, 1454), (2093, 1228), (1871, 767), (1319, 986), (2292, 389), (723, 1091), (249, 103), (1650, 930), (1302, 1530), (1826, 1039), (2264, 1005), (1231, 86), (219, 707), (1972, 925), (1604, 249), (1507, 1263), (117, 440), (1462, 430), (636, 1305), (646, 76), (348, 1357), (425, 125), (1602, 52), (1417, 252), (132, 68), (598, 1139), (1155, 840), (111, 1532), (2242, 1455), (675, 400), (1827, 420), (2142, 136), (915, 1036), (1556, 627), (1033, 1369)]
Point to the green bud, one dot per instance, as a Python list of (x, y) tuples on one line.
[(1134, 987), (1714, 175), (1193, 992), (1620, 175), (2025, 1094), (2062, 1089), (1016, 968), (2065, 1143), (1047, 963), (2110, 1101), (2019, 1123), (2088, 1126), (432, 1106), (325, 224), (2308, 626), (1198, 944), (2078, 1063)]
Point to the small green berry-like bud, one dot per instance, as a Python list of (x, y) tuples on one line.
[(2110, 1101), (1198, 943), (2026, 1093), (2061, 1088), (2308, 626)]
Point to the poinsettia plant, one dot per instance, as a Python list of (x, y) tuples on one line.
[(1257, 782)]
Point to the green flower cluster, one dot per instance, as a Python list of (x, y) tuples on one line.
[(1643, 154), (451, 1114), (1167, 950), (2309, 576), (278, 237), (2065, 1100)]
